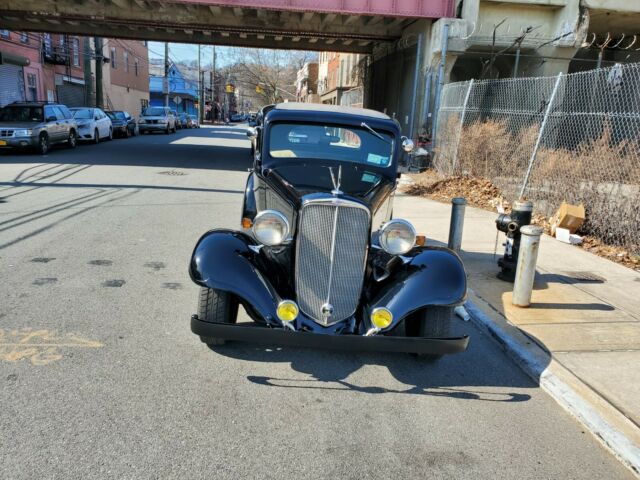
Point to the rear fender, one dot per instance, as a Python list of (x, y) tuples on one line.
[(223, 260), (429, 276)]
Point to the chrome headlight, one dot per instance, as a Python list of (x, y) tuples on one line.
[(270, 227), (397, 237), (22, 133)]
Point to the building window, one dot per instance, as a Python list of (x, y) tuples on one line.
[(46, 41), (113, 58), (32, 87), (4, 33), (62, 40), (126, 61), (144, 103), (75, 50), (24, 37), (135, 67)]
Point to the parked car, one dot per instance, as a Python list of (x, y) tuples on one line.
[(36, 125), (238, 117), (255, 139), (319, 261), (124, 125), (157, 119), (93, 124), (183, 120), (194, 122)]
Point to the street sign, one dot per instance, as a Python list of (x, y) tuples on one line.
[(229, 88), (259, 89), (177, 100)]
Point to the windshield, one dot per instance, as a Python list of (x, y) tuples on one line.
[(21, 114), (115, 115), (330, 142), (82, 113), (154, 111)]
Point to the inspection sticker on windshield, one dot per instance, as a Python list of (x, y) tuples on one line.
[(370, 177), (377, 159)]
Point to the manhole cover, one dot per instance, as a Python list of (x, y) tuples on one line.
[(586, 277), (175, 173)]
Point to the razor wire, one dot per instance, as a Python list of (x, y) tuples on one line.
[(580, 145)]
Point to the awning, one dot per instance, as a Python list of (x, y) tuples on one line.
[(6, 57)]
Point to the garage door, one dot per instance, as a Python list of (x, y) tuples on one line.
[(71, 95), (11, 84)]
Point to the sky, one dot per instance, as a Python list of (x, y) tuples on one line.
[(185, 52)]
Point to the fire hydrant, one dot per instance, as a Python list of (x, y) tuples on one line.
[(511, 224)]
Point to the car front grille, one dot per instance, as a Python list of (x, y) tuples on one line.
[(331, 251), (6, 133)]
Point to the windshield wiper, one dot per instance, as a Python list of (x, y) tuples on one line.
[(374, 132)]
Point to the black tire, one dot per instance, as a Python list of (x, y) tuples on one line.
[(216, 306), (43, 144), (96, 136), (430, 322), (167, 130), (110, 137), (72, 141), (127, 132)]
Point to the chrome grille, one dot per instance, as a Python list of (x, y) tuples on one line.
[(6, 133), (330, 256)]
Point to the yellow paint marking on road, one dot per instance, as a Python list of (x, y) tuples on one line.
[(41, 347)]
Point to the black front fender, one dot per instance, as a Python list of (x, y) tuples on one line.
[(223, 260), (429, 276)]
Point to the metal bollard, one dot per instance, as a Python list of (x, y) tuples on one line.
[(526, 268), (457, 223)]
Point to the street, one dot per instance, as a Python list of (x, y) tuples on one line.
[(102, 377)]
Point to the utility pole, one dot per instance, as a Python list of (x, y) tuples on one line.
[(165, 80), (213, 86), (99, 57), (88, 81), (200, 96)]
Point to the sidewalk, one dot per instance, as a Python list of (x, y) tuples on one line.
[(580, 339)]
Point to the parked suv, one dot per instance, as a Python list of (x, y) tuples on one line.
[(157, 119), (38, 125)]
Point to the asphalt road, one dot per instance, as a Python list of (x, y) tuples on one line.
[(101, 377)]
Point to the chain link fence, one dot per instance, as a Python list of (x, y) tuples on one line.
[(573, 138)]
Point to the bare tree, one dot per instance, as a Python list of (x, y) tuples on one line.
[(267, 75)]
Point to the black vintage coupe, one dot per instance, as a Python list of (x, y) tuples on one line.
[(319, 261)]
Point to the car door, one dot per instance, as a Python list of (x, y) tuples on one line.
[(64, 121), (101, 124), (52, 123)]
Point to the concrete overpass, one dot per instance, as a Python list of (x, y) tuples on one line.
[(344, 25)]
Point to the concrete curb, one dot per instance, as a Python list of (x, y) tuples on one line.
[(615, 431)]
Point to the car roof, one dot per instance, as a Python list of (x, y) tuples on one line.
[(321, 107)]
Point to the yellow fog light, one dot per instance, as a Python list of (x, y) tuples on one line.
[(287, 311), (381, 317)]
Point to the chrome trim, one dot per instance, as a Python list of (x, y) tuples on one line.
[(332, 256), (324, 199), (386, 225), (277, 214)]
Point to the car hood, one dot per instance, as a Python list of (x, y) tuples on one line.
[(20, 124), (304, 178)]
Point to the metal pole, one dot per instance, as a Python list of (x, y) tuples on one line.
[(99, 57), (516, 63), (88, 81), (526, 268), (200, 96), (416, 75), (436, 103), (213, 88), (458, 205), (542, 127), (165, 80), (464, 112)]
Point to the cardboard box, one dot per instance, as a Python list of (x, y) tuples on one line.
[(568, 216)]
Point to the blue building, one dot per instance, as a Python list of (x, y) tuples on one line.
[(180, 88)]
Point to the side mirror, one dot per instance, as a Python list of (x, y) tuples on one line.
[(407, 145), (252, 133), (51, 118)]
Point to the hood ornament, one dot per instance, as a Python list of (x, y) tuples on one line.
[(336, 182)]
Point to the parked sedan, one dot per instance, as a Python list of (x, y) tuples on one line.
[(93, 124), (183, 120), (124, 125), (193, 121)]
